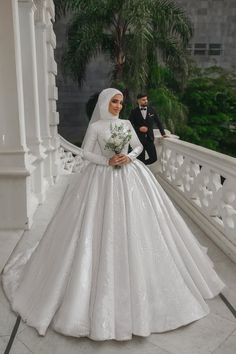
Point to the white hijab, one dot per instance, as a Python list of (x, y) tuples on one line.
[(101, 110)]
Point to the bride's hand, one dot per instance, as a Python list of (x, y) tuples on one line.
[(123, 159), (113, 161), (119, 159)]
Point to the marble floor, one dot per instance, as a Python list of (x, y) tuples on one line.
[(215, 334)]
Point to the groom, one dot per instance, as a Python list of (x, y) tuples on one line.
[(142, 119)]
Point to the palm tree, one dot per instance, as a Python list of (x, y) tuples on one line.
[(162, 92), (134, 33)]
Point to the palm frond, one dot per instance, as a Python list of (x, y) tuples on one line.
[(133, 32), (168, 16), (172, 111), (84, 42)]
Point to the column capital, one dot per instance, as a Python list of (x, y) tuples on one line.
[(39, 16), (51, 9), (29, 4)]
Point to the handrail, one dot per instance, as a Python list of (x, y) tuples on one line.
[(69, 146), (70, 156)]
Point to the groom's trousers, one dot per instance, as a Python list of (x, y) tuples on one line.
[(149, 147)]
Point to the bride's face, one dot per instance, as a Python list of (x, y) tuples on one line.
[(115, 104)]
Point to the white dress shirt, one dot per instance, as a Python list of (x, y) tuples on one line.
[(143, 111)]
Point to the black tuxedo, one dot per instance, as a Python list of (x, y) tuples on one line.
[(147, 139)]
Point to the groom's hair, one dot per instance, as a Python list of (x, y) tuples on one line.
[(141, 95)]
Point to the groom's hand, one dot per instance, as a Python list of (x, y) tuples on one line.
[(143, 129)]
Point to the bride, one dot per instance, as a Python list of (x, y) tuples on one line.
[(117, 258)]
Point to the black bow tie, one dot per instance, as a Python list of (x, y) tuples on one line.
[(143, 108)]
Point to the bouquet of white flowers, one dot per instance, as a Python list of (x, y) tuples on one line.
[(120, 136)]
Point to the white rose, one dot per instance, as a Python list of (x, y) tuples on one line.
[(117, 142)]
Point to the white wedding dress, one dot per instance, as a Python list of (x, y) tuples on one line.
[(117, 258)]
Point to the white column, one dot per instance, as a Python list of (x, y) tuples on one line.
[(30, 89), (52, 89), (41, 52), (14, 166)]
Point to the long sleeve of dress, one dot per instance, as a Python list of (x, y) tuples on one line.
[(91, 141), (135, 144)]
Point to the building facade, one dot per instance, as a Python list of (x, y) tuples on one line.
[(29, 162), (214, 24)]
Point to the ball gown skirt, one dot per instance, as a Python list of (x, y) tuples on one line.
[(116, 259)]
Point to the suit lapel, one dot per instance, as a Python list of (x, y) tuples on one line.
[(149, 115)]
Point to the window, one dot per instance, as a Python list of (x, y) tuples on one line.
[(215, 49), (205, 49), (200, 48), (189, 49)]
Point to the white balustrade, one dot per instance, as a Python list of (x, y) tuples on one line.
[(203, 183), (70, 157)]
